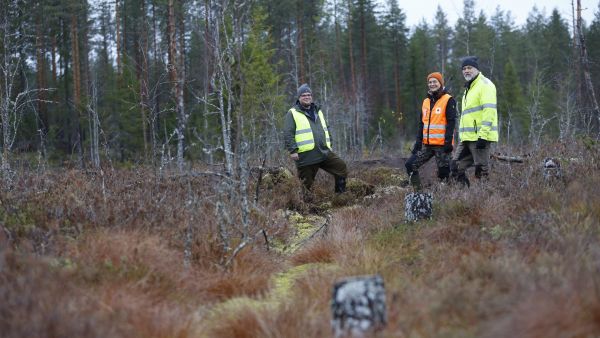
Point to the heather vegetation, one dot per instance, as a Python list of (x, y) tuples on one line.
[(89, 253), (144, 191)]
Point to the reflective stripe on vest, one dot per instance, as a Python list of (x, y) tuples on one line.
[(434, 121), (479, 117), (305, 140)]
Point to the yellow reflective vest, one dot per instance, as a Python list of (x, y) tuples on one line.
[(305, 139), (479, 117)]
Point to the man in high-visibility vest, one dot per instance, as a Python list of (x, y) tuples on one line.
[(478, 126), (436, 131), (308, 141)]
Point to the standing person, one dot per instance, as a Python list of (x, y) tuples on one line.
[(436, 131), (308, 141), (478, 122)]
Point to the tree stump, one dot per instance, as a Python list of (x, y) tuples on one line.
[(358, 306), (418, 205)]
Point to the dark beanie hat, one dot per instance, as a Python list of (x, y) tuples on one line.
[(303, 89), (470, 61)]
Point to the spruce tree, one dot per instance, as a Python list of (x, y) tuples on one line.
[(512, 112)]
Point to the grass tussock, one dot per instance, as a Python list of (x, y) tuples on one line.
[(249, 275), (318, 251)]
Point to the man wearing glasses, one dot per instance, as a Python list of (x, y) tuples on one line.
[(308, 141)]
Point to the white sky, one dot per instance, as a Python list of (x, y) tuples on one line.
[(417, 10)]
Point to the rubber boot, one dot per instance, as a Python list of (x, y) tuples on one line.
[(479, 173), (463, 179), (340, 184), (453, 170)]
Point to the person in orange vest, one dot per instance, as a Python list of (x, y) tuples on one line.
[(436, 131), (308, 141)]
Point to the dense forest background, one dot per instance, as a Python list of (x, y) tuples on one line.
[(174, 82)]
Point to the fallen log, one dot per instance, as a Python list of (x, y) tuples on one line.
[(505, 158)]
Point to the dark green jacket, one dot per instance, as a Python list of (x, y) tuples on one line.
[(319, 153)]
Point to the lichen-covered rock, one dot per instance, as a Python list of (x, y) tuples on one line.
[(358, 306), (418, 205), (551, 169)]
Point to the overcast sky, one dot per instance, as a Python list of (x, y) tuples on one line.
[(417, 10)]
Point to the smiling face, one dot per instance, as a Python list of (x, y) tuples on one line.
[(433, 84), (469, 72), (305, 99)]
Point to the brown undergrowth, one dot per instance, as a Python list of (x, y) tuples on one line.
[(91, 254)]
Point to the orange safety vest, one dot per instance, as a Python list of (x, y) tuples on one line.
[(434, 121)]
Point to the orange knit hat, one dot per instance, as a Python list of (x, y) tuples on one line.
[(438, 76)]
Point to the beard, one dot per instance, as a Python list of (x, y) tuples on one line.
[(469, 77)]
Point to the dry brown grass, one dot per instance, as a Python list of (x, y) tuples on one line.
[(319, 251), (84, 254)]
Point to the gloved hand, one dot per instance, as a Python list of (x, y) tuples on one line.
[(417, 147), (448, 148), (481, 143)]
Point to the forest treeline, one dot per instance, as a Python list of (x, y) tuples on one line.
[(165, 81)]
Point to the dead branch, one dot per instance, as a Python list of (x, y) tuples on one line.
[(242, 245), (512, 159), (323, 226)]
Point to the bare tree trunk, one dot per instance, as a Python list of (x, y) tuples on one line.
[(76, 68), (338, 49), (7, 75), (356, 130), (40, 75), (54, 69), (300, 37), (585, 63), (350, 50), (238, 36), (363, 84), (76, 89), (222, 55), (575, 58), (177, 84), (156, 97), (397, 89), (363, 49), (208, 69), (94, 125), (144, 102), (118, 33)]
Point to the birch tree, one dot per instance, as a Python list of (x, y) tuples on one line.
[(15, 96)]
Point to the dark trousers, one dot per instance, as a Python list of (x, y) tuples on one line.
[(442, 160), (467, 154), (333, 164)]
